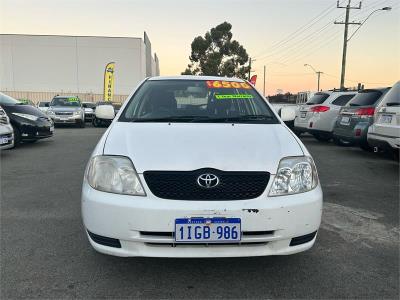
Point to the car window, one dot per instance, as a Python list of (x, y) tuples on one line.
[(65, 101), (318, 98), (342, 100), (365, 97), (392, 98), (7, 100), (197, 101), (42, 104)]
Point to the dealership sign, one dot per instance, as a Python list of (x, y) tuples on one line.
[(109, 82)]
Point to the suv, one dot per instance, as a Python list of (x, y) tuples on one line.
[(318, 115), (385, 132), (198, 166), (67, 110), (354, 119)]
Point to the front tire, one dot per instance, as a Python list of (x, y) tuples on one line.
[(17, 136), (366, 147)]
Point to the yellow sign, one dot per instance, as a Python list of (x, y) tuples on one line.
[(109, 82)]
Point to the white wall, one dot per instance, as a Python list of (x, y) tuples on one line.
[(69, 64)]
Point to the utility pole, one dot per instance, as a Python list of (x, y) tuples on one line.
[(249, 68), (319, 75), (264, 79), (346, 23)]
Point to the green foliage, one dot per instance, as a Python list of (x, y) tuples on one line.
[(216, 54)]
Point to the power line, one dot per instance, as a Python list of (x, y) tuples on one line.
[(299, 31)]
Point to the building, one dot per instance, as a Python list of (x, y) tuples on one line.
[(37, 67)]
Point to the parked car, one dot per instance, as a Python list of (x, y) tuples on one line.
[(104, 113), (6, 131), (67, 110), (43, 106), (194, 162), (319, 114), (89, 110), (117, 107), (354, 119), (28, 122), (385, 132)]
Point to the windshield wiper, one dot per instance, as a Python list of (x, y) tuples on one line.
[(393, 104), (172, 119)]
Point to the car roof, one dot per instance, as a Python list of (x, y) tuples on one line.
[(194, 77)]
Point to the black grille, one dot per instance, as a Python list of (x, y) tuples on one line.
[(182, 185), (302, 239), (105, 241)]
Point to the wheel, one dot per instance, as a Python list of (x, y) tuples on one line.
[(341, 142), (17, 136), (96, 122), (322, 137)]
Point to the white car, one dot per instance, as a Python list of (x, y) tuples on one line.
[(43, 106), (196, 166), (319, 114), (385, 132), (6, 131)]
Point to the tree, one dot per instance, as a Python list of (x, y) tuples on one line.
[(217, 54)]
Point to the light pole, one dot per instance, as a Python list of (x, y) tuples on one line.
[(316, 72), (386, 8)]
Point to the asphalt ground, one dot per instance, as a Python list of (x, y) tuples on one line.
[(45, 253)]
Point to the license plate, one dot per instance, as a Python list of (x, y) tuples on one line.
[(303, 115), (207, 230), (3, 140), (345, 120), (386, 119)]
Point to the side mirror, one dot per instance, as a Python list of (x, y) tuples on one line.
[(287, 114)]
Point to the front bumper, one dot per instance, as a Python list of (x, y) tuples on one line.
[(37, 131), (67, 119), (144, 225)]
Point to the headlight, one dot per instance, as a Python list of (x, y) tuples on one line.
[(114, 174), (50, 112), (295, 175), (77, 113), (26, 116)]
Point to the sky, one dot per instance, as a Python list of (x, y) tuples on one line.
[(281, 35)]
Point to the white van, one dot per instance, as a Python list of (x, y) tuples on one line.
[(385, 132), (196, 166)]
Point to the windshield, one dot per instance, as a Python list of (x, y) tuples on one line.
[(7, 100), (318, 98), (365, 98), (197, 101), (43, 104), (89, 104), (65, 101)]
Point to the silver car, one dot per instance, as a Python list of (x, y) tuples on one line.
[(319, 114), (6, 131), (67, 110)]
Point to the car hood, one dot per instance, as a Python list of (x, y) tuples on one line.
[(191, 146), (64, 109), (23, 109)]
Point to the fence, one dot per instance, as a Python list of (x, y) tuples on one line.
[(36, 97)]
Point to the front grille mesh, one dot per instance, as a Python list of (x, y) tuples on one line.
[(182, 185)]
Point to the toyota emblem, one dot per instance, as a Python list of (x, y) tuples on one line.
[(208, 180)]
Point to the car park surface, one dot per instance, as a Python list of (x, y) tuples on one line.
[(45, 254)]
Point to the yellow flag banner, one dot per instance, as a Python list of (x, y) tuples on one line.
[(109, 82)]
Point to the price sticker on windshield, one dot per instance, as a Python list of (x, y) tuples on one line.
[(219, 84)]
